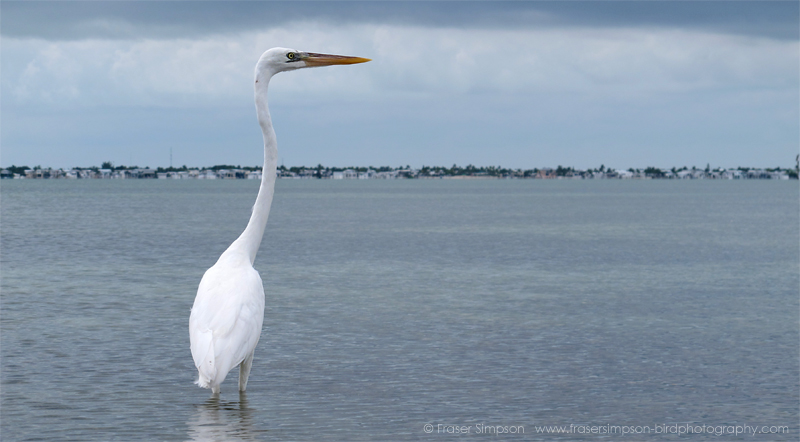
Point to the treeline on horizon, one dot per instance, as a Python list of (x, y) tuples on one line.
[(455, 170)]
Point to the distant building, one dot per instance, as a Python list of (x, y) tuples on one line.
[(625, 174), (546, 173)]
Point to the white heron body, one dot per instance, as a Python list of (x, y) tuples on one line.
[(228, 312)]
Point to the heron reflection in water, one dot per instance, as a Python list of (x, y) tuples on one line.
[(217, 420)]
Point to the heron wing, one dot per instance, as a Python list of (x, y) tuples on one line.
[(226, 319)]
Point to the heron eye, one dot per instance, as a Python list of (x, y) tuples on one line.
[(290, 55)]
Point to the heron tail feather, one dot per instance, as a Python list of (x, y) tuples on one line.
[(206, 365)]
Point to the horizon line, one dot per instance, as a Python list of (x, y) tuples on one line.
[(454, 166)]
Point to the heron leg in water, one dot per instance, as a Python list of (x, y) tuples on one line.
[(244, 371)]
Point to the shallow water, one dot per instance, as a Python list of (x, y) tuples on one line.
[(396, 304)]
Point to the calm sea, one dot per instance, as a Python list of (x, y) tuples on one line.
[(408, 310)]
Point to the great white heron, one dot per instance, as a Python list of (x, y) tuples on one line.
[(228, 312)]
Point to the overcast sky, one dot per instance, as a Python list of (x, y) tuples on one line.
[(517, 84)]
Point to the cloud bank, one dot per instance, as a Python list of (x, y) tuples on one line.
[(519, 84)]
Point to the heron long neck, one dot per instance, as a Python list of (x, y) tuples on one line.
[(250, 240)]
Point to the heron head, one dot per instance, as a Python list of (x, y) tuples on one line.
[(282, 59)]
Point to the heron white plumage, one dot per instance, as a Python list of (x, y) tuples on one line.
[(225, 323)]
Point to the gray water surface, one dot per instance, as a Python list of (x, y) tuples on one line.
[(396, 304)]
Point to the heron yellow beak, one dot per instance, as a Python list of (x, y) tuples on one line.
[(313, 59)]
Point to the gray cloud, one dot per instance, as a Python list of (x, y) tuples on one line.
[(70, 20), (622, 83)]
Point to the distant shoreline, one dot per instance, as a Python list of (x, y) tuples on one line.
[(470, 172)]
